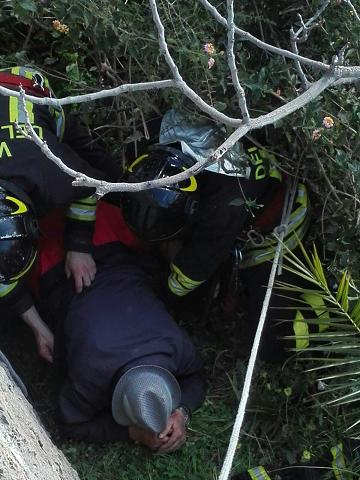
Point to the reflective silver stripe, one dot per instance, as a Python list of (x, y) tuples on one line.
[(6, 288), (82, 211), (258, 473), (175, 287)]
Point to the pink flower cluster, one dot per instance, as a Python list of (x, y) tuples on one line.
[(210, 50)]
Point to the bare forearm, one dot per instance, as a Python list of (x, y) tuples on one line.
[(32, 318), (43, 336)]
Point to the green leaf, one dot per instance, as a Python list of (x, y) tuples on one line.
[(355, 313), (28, 5)]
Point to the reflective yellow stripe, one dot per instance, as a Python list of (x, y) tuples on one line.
[(274, 173), (301, 330), (26, 269), (270, 157), (179, 284), (16, 112), (298, 224), (13, 109), (92, 200), (258, 473), (184, 279), (83, 209), (6, 288), (30, 106), (256, 256), (193, 184), (338, 462), (22, 208), (137, 161)]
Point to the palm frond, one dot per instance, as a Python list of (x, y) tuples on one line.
[(334, 350)]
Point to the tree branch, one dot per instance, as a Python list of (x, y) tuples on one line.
[(89, 97), (102, 187), (301, 35), (294, 45), (353, 9), (306, 27), (265, 46), (180, 83), (232, 63)]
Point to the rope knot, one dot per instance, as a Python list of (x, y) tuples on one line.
[(281, 229)]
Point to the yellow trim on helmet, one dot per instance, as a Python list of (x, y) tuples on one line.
[(137, 161), (26, 269), (193, 184), (22, 208)]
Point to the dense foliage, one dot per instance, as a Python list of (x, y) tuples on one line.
[(86, 46)]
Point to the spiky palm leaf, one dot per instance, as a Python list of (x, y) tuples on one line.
[(335, 350)]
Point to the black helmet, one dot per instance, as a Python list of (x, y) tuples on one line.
[(160, 213), (18, 235)]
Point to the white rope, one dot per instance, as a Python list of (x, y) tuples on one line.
[(235, 434)]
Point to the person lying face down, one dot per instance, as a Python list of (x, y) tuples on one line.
[(129, 371)]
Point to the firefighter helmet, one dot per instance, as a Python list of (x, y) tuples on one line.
[(160, 213), (18, 235)]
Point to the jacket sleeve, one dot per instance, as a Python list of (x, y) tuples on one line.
[(190, 375), (15, 298), (80, 224), (223, 213), (101, 428), (78, 419), (78, 137), (81, 215), (193, 390)]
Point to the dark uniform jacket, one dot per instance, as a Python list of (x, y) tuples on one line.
[(25, 167), (229, 207), (115, 324)]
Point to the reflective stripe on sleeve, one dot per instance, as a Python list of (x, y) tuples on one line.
[(16, 109), (179, 284), (83, 209), (258, 473), (298, 224)]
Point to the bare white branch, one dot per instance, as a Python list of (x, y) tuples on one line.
[(89, 97), (263, 45), (306, 27), (102, 187), (232, 63), (301, 35), (180, 83), (335, 74), (353, 9), (294, 45)]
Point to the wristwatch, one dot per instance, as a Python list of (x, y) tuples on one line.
[(186, 412)]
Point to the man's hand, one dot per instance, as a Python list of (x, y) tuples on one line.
[(43, 335), (45, 343), (145, 437), (174, 435), (82, 267)]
